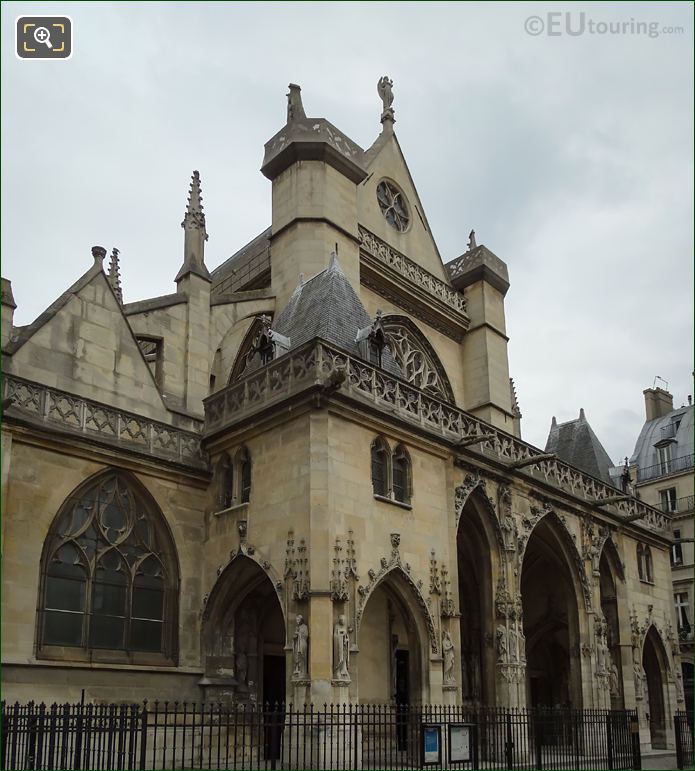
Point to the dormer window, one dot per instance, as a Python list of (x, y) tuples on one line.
[(234, 479)]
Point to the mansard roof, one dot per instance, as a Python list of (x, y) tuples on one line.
[(577, 444), (676, 428)]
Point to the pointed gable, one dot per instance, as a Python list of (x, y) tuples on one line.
[(575, 443), (385, 161), (84, 345)]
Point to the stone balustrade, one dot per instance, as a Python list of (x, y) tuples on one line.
[(318, 364), (54, 408)]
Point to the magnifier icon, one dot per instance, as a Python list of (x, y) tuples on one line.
[(42, 35)]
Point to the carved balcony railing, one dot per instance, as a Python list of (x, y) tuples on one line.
[(53, 408), (411, 271), (318, 364)]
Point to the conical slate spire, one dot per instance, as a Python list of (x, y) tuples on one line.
[(195, 234), (114, 275), (194, 217)]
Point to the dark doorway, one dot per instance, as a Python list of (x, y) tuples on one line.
[(273, 697), (550, 619), (273, 680), (402, 697), (655, 691)]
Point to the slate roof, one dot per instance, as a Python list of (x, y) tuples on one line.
[(327, 306), (243, 265), (575, 443), (659, 429)]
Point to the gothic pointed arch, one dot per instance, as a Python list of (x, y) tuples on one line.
[(249, 347), (551, 589), (474, 487), (566, 541), (395, 572), (610, 551), (396, 637), (416, 357), (243, 628), (655, 665), (109, 576)]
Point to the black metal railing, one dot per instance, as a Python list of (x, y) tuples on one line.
[(166, 735), (665, 468), (684, 740), (677, 505)]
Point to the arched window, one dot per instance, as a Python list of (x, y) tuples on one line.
[(109, 575), (648, 566), (225, 484), (244, 469), (380, 467), (401, 474), (640, 562)]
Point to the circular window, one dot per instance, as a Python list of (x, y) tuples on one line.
[(393, 206)]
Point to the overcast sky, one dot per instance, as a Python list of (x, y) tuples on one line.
[(570, 155)]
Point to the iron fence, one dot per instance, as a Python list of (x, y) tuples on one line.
[(166, 735), (683, 724)]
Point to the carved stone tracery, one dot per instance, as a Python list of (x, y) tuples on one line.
[(417, 358)]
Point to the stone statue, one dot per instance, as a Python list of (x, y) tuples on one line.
[(384, 89), (242, 665), (448, 653), (513, 643), (341, 650), (680, 696), (300, 648), (522, 643), (639, 685), (471, 240), (502, 643), (614, 681)]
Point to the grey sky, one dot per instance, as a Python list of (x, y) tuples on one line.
[(571, 157)]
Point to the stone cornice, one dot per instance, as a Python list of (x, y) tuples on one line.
[(327, 370), (397, 278), (49, 408)]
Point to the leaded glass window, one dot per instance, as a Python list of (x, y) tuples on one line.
[(109, 574)]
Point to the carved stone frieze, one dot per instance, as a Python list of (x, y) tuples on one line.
[(411, 271), (301, 368)]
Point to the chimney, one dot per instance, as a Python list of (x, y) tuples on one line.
[(657, 403), (8, 306)]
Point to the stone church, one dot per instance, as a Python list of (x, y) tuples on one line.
[(300, 477)]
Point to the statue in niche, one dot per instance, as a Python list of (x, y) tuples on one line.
[(639, 679), (300, 648), (502, 643), (513, 643), (448, 654), (242, 666), (614, 681), (341, 649)]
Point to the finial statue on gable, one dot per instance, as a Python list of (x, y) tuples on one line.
[(471, 240), (295, 108), (385, 90)]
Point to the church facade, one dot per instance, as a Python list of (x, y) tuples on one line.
[(300, 477)]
